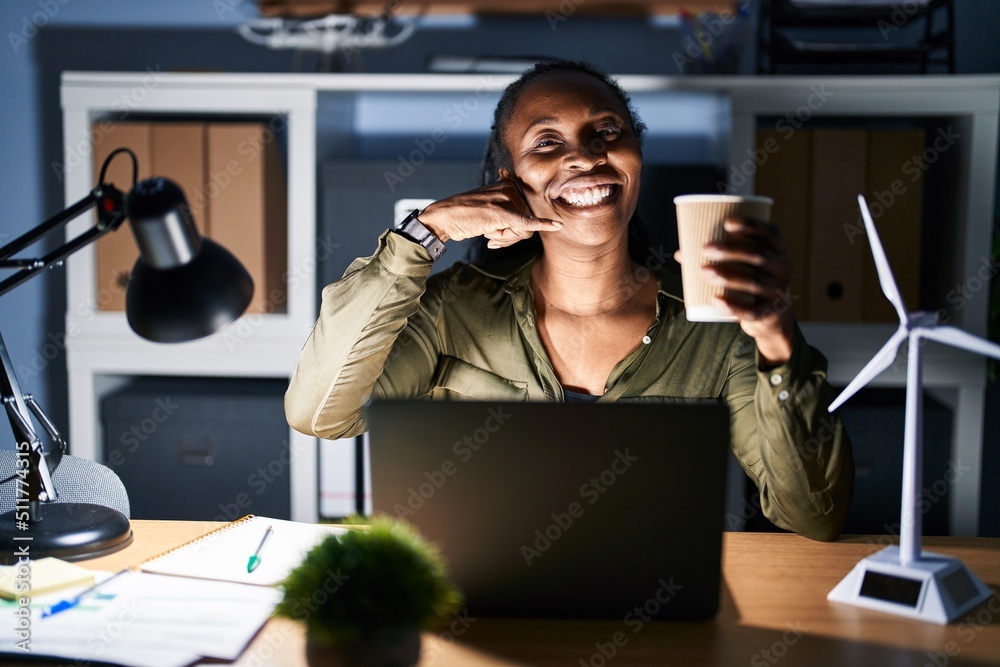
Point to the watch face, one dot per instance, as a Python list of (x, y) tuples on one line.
[(417, 228)]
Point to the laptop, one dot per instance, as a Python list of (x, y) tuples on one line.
[(562, 510)]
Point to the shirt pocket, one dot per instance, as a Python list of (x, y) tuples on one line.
[(457, 379)]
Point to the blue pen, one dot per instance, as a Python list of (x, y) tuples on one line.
[(72, 602)]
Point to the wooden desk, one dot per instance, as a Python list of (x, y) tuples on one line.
[(774, 610)]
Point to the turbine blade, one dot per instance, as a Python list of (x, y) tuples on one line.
[(885, 277), (962, 339), (881, 361)]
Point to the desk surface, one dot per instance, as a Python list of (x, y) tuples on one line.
[(774, 609)]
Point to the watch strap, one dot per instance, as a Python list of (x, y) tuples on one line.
[(411, 228)]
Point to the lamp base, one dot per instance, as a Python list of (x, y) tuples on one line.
[(70, 531), (933, 588)]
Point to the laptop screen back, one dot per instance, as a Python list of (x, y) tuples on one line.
[(562, 510)]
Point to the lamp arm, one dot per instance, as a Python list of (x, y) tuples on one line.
[(37, 476), (34, 479), (35, 485), (110, 216)]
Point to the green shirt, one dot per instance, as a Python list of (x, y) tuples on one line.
[(386, 330)]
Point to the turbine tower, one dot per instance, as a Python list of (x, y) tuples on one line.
[(906, 580)]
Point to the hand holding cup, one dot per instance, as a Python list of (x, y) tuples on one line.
[(735, 267)]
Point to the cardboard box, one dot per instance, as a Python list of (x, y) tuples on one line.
[(247, 199)]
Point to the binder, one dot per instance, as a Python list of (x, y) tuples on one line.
[(836, 253), (895, 196), (785, 177), (116, 252), (247, 196), (232, 176), (179, 154)]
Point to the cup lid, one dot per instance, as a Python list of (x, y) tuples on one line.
[(720, 198)]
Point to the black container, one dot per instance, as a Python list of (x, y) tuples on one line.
[(199, 448)]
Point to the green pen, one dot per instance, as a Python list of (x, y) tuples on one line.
[(255, 559)]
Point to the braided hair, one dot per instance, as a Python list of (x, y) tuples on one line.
[(498, 156)]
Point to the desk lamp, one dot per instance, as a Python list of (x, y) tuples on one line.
[(183, 287), (904, 579)]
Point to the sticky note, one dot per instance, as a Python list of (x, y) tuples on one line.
[(41, 576)]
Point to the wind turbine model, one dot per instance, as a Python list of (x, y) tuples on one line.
[(906, 580)]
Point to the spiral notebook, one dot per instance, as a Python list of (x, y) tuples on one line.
[(224, 553)]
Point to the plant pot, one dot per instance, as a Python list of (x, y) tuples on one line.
[(381, 649)]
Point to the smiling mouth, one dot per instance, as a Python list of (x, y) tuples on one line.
[(590, 196)]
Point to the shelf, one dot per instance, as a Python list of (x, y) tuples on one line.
[(292, 8), (100, 346), (849, 347), (223, 354), (101, 350)]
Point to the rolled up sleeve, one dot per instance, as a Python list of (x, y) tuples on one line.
[(797, 453), (360, 318)]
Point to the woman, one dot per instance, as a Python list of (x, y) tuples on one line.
[(574, 315)]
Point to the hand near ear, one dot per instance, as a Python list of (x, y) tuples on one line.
[(497, 211)]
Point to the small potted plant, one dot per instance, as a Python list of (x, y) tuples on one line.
[(366, 595)]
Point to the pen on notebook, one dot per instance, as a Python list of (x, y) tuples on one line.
[(74, 601), (255, 559)]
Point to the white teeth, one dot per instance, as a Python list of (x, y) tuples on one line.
[(587, 196)]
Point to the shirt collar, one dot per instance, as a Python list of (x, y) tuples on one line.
[(516, 273)]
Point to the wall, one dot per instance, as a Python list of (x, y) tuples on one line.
[(31, 317)]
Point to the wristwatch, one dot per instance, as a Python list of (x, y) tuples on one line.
[(413, 229)]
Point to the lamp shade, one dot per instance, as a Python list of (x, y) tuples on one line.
[(183, 287)]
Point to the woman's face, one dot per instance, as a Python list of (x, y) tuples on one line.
[(575, 156)]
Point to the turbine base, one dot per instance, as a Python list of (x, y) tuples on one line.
[(934, 588)]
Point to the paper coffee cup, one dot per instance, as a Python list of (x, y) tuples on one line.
[(699, 222)]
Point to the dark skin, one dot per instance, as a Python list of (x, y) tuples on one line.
[(754, 259), (574, 180)]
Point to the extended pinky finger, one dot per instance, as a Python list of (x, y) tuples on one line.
[(508, 234), (493, 244), (501, 238)]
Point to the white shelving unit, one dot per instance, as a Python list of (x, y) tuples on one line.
[(101, 349), (973, 102)]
